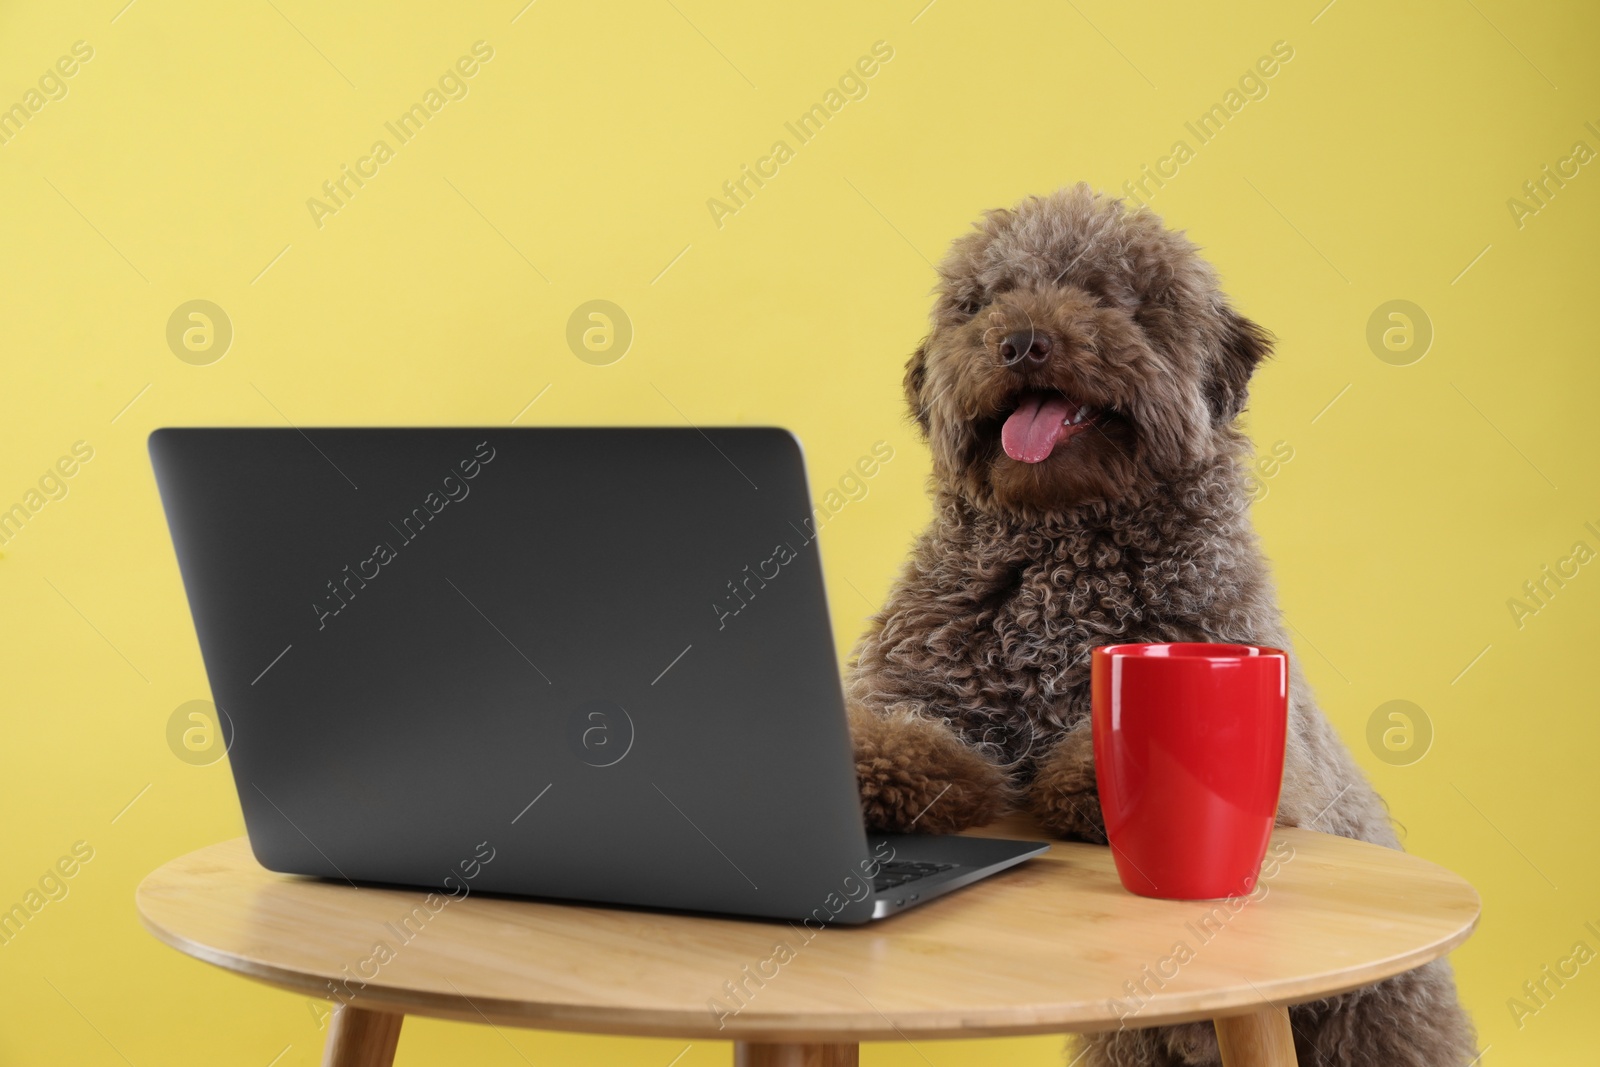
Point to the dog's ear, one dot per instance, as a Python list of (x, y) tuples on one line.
[(1243, 345), (916, 376)]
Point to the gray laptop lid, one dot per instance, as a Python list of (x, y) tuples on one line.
[(599, 657)]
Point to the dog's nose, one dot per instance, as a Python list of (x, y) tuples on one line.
[(1031, 346)]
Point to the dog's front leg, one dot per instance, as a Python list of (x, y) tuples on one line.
[(1062, 795), (916, 775)]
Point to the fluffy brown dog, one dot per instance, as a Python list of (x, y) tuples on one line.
[(1078, 391)]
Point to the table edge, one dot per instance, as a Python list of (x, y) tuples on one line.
[(753, 1025)]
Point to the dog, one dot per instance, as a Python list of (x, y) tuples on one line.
[(1078, 391)]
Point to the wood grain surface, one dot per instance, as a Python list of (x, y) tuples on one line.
[(1054, 945)]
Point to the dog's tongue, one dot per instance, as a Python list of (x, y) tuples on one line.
[(1031, 432)]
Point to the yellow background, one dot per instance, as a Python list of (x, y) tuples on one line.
[(1378, 167)]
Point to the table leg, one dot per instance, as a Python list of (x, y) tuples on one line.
[(361, 1038), (1261, 1039), (746, 1054)]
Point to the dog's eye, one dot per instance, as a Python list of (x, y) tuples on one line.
[(970, 306)]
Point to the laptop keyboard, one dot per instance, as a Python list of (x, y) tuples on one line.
[(894, 875)]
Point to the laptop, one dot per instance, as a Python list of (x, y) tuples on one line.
[(586, 664)]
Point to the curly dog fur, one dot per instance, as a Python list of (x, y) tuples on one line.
[(970, 691)]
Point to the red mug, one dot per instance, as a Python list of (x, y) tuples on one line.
[(1188, 758)]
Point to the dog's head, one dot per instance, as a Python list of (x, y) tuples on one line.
[(1080, 352)]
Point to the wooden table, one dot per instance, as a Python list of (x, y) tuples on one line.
[(1053, 946)]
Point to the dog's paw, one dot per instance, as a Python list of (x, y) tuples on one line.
[(1062, 795), (918, 776)]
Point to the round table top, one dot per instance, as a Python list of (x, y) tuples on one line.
[(1053, 945)]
